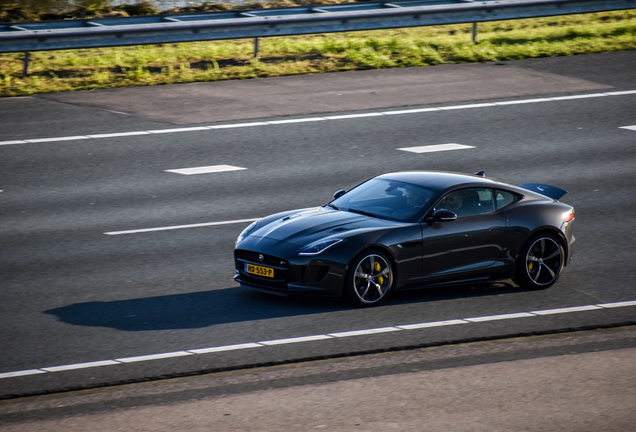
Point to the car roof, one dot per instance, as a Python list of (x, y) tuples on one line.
[(439, 180)]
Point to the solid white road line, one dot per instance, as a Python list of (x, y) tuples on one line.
[(479, 105), (311, 119), (153, 357), (628, 127), (22, 373), (205, 169), (432, 324), (411, 111), (175, 227), (618, 304), (620, 93), (500, 317), (276, 342), (352, 116), (527, 101), (239, 125), (188, 129), (364, 332), (119, 134), (300, 120), (435, 148), (69, 138), (224, 348), (566, 310), (296, 340), (80, 366), (558, 98)]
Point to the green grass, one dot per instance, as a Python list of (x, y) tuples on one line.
[(86, 69)]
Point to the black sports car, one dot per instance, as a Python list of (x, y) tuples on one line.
[(410, 230)]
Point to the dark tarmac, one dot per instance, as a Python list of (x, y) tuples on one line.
[(582, 381)]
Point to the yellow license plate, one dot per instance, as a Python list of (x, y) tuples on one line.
[(259, 271)]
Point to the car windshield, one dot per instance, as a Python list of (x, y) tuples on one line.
[(386, 199)]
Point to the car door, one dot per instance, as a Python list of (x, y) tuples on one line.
[(475, 240)]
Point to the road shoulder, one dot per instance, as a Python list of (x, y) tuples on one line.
[(573, 381)]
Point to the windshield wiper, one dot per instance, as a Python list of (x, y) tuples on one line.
[(362, 212), (332, 206)]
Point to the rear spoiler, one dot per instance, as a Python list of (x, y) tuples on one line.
[(550, 191)]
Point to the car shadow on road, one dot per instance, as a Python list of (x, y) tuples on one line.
[(454, 292), (190, 310), (230, 305)]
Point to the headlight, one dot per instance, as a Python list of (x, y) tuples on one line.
[(319, 247), (244, 234)]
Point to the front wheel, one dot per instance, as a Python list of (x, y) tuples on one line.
[(369, 279), (540, 262)]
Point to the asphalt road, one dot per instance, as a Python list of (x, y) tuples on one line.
[(581, 381), (73, 294)]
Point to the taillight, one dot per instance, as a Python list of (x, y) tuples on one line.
[(569, 216)]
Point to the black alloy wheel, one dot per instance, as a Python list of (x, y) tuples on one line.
[(540, 262), (370, 279)]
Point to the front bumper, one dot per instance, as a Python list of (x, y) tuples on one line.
[(317, 275)]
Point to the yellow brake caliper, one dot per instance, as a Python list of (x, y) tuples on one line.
[(378, 268)]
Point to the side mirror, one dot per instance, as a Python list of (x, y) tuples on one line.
[(340, 193), (442, 215)]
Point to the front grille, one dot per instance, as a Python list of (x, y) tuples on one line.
[(253, 257), (283, 273)]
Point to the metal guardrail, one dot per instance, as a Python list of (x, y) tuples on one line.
[(238, 24)]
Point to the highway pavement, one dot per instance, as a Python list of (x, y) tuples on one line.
[(580, 381), (91, 297)]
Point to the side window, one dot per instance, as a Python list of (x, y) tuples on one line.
[(504, 198), (468, 202)]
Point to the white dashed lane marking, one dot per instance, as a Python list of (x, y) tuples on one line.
[(205, 169), (315, 119), (633, 128), (175, 227), (435, 148), (311, 338)]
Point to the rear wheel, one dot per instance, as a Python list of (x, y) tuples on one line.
[(369, 279), (540, 262)]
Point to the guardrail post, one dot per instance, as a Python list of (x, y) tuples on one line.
[(25, 61), (475, 32), (256, 47)]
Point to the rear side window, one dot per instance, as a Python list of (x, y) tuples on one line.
[(505, 198), (468, 202)]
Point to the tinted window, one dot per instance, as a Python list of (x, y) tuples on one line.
[(504, 198), (388, 199), (468, 202)]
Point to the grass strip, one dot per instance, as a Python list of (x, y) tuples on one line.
[(89, 69)]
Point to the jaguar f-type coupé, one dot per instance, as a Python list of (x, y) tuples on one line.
[(410, 230)]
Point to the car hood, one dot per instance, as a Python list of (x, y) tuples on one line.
[(305, 226)]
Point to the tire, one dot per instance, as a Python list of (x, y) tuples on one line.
[(540, 262), (369, 279)]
